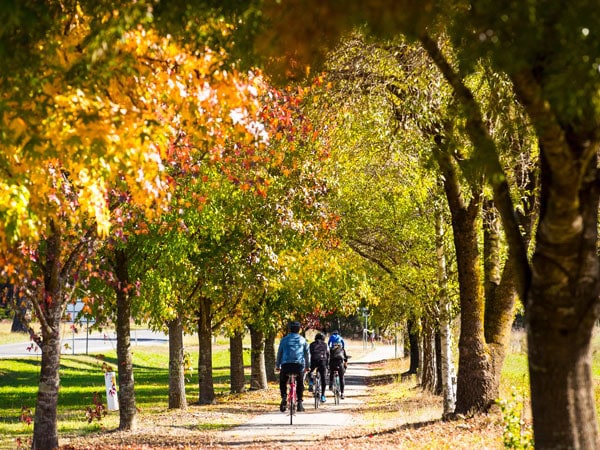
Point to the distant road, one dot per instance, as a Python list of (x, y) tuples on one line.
[(79, 343)]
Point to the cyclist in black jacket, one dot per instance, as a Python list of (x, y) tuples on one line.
[(319, 359), (338, 359)]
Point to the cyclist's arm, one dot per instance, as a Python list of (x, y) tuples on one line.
[(306, 356), (279, 355)]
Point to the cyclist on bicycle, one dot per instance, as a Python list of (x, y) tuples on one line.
[(319, 359), (338, 360), (293, 356), (335, 338)]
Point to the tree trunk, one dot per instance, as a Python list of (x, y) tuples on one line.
[(475, 372), (206, 395), (49, 311), (236, 362), (438, 363), (258, 377), (17, 325), (562, 309), (413, 344), (448, 379), (428, 368), (500, 296), (127, 408), (270, 356), (21, 309), (177, 397)]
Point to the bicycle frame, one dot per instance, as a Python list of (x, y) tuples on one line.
[(317, 388), (336, 387), (292, 396)]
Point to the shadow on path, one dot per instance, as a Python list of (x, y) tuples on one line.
[(313, 425)]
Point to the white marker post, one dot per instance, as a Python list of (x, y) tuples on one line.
[(112, 400)]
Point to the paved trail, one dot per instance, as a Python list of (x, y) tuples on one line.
[(311, 425)]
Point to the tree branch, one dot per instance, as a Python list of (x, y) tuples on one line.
[(488, 155)]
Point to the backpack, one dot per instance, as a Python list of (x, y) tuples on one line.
[(318, 351), (337, 352)]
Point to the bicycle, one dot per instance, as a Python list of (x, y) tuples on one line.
[(336, 387), (317, 389), (292, 396)]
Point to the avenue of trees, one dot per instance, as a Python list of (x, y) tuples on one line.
[(433, 161)]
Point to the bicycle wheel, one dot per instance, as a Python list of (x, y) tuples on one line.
[(292, 398), (336, 389), (317, 393)]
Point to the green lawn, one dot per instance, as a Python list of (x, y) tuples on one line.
[(515, 372), (82, 376)]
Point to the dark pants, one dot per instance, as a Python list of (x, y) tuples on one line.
[(321, 366), (283, 378), (337, 364)]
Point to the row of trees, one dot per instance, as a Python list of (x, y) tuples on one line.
[(152, 178), (522, 85), (217, 187)]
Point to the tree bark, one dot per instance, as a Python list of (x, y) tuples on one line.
[(127, 408), (448, 379), (438, 363), (236, 362), (500, 295), (428, 368), (270, 356), (177, 397), (258, 377), (206, 395), (563, 307), (474, 391), (45, 433), (413, 344)]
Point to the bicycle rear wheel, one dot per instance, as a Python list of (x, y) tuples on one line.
[(292, 411), (317, 394), (336, 389)]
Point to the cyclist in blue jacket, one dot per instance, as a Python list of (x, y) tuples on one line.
[(335, 338), (293, 356)]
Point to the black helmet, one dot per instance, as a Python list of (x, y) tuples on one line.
[(294, 326), (319, 337)]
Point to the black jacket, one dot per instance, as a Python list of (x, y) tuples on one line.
[(319, 351)]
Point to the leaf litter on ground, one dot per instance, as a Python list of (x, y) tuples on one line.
[(398, 414)]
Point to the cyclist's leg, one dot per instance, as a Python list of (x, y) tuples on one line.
[(341, 371), (331, 369), (283, 383), (322, 369), (311, 380), (299, 383), (342, 377)]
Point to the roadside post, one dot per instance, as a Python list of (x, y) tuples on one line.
[(112, 400)]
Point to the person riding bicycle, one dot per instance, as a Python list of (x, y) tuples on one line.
[(319, 359), (293, 356), (338, 360), (335, 338)]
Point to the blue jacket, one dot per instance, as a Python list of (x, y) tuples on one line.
[(293, 348), (336, 339)]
